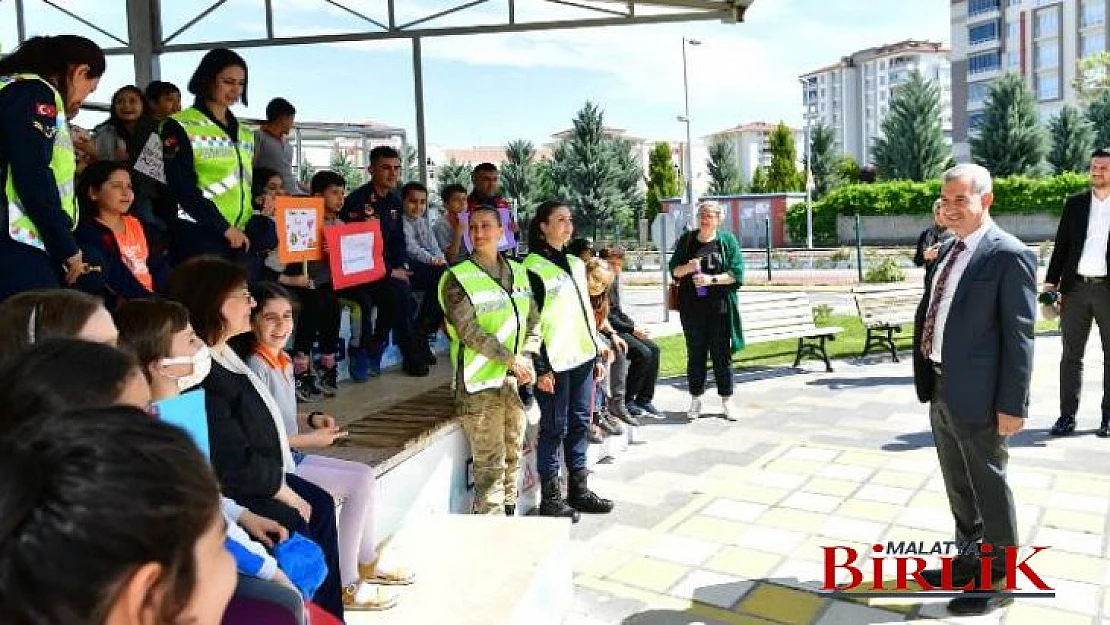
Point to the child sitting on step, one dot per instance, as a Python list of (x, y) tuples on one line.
[(351, 482)]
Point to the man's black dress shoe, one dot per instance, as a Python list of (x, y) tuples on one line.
[(1064, 425), (1104, 429), (978, 605), (962, 575)]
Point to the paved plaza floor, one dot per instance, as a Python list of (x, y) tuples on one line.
[(720, 522)]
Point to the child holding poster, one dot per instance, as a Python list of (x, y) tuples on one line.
[(426, 262), (320, 309)]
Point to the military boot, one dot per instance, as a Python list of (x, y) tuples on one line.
[(552, 502), (583, 499)]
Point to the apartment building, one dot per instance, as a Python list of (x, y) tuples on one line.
[(852, 96), (751, 145), (1042, 40)]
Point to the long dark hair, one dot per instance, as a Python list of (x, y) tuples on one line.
[(62, 374), (90, 496), (144, 115), (94, 177), (53, 57), (543, 213), (214, 62)]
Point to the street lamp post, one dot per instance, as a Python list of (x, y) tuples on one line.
[(809, 165), (686, 119)]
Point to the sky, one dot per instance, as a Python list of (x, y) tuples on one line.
[(489, 89)]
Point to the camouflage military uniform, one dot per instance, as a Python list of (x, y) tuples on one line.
[(493, 419)]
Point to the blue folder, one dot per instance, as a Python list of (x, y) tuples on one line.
[(188, 412)]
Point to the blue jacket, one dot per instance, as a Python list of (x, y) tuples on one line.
[(987, 354), (363, 204), (114, 281), (27, 120)]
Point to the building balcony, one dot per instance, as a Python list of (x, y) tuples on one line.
[(984, 45)]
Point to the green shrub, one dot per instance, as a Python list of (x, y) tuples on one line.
[(1013, 195), (886, 270), (822, 313)]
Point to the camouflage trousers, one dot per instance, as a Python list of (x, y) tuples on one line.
[(493, 421)]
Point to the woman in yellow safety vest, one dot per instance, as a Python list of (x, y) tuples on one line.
[(493, 329), (208, 156), (42, 85), (570, 358)]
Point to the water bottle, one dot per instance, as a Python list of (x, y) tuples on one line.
[(702, 291)]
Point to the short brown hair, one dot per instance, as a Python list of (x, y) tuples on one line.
[(33, 316), (202, 285), (146, 328)]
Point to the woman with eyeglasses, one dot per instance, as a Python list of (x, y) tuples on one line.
[(249, 445), (709, 267)]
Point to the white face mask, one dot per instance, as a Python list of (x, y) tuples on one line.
[(201, 363)]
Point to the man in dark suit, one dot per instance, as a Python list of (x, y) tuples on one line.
[(1078, 270), (973, 358)]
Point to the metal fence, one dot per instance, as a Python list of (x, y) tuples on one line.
[(765, 264)]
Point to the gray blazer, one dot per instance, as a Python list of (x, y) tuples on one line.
[(988, 337)]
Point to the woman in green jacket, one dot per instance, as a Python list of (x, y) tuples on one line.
[(709, 267)]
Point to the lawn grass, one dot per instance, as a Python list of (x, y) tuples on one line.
[(848, 344)]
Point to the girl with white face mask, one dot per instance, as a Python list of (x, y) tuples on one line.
[(175, 360)]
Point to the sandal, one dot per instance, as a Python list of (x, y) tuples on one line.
[(377, 602), (395, 577)]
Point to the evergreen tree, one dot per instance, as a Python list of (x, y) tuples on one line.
[(663, 179), (724, 174), (587, 173), (344, 166), (759, 180), (454, 172), (410, 168), (911, 145), (783, 174), (824, 157), (629, 178), (304, 172), (1010, 140), (519, 176), (1072, 140), (1098, 113)]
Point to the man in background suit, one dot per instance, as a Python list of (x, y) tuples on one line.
[(1078, 270), (973, 358)]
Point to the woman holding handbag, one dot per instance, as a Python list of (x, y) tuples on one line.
[(708, 268)]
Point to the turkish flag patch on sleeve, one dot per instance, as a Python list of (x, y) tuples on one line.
[(46, 110)]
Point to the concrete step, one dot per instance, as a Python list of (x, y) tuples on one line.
[(480, 570)]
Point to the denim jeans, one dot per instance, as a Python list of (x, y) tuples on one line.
[(565, 421)]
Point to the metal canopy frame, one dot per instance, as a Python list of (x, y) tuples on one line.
[(146, 41)]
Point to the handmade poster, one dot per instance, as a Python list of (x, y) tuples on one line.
[(300, 228), (508, 239), (356, 253), (150, 161), (187, 412)]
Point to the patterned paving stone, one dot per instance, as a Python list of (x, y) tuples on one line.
[(749, 507)]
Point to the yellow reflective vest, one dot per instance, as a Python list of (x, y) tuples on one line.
[(223, 166), (63, 164), (567, 320)]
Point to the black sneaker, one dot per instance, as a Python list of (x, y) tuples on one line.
[(305, 384), (328, 381)]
